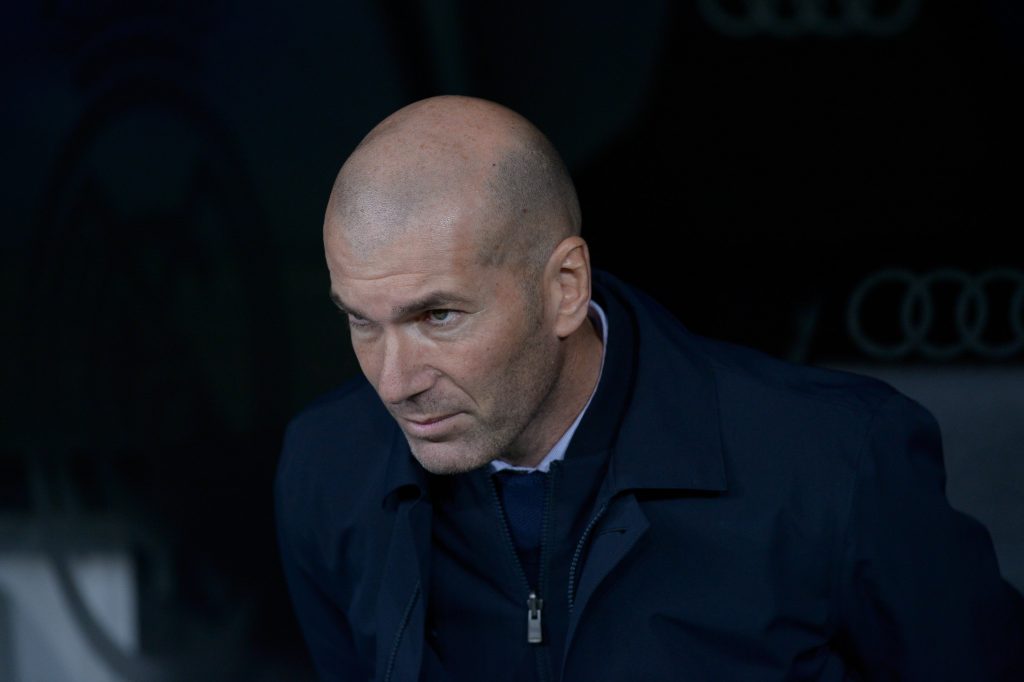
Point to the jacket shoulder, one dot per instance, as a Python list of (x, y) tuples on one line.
[(731, 362), (336, 448), (847, 391), (347, 417), (761, 400)]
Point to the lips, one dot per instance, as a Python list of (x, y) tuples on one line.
[(430, 427), (428, 420)]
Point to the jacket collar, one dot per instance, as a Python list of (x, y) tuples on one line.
[(404, 477), (669, 421), (657, 396)]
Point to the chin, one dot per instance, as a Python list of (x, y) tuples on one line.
[(447, 458)]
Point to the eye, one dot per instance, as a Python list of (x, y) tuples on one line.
[(356, 321), (441, 317)]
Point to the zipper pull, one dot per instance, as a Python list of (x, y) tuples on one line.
[(533, 607)]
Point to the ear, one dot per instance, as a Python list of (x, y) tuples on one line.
[(568, 276)]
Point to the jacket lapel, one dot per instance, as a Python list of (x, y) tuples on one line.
[(623, 524), (401, 603)]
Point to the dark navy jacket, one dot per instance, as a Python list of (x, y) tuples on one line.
[(757, 521)]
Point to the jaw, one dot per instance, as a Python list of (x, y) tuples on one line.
[(521, 438), (579, 367), (447, 457)]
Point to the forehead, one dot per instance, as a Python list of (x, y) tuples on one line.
[(389, 270), (405, 254)]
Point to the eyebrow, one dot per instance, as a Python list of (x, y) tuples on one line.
[(431, 301)]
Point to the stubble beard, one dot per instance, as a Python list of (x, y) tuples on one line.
[(477, 447), (447, 458), (533, 381), (485, 441)]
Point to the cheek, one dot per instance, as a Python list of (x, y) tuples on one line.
[(471, 367), (479, 367), (497, 365), (523, 367)]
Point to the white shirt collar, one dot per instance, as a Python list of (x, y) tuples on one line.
[(600, 320)]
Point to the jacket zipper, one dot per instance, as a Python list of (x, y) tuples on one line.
[(579, 553), (534, 604)]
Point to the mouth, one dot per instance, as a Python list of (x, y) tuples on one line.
[(430, 427)]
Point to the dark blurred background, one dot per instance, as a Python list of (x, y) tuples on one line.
[(835, 182)]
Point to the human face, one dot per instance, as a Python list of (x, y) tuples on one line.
[(459, 356)]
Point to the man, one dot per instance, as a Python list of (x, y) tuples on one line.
[(534, 484)]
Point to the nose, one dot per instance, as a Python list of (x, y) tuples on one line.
[(401, 374)]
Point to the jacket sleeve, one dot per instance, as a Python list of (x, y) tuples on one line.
[(324, 626), (920, 593)]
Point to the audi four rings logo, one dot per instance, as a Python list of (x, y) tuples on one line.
[(788, 18), (975, 307)]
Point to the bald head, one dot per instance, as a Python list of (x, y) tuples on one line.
[(439, 161)]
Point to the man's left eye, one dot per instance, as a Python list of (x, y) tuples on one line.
[(441, 316)]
